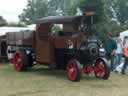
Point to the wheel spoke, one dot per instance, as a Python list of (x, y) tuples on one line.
[(100, 69), (17, 61), (72, 71)]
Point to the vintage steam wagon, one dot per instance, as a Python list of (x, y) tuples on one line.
[(74, 48)]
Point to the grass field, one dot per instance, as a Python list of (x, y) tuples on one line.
[(40, 81)]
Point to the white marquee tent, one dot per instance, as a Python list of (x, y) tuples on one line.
[(124, 34), (4, 30)]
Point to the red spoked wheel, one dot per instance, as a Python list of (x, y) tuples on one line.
[(102, 70), (17, 61), (20, 60), (74, 70), (88, 69)]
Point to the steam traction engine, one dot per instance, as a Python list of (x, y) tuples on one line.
[(74, 48)]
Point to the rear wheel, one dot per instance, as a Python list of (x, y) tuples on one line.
[(102, 69), (74, 70), (20, 60)]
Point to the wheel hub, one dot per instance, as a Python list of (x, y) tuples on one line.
[(71, 70), (19, 60)]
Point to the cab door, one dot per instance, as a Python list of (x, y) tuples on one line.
[(43, 44)]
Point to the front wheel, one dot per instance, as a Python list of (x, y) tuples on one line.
[(102, 69), (20, 60), (74, 70)]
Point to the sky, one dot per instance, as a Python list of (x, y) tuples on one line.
[(10, 9)]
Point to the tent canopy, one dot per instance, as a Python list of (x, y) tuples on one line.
[(123, 35), (4, 30)]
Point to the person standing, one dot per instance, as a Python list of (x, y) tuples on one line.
[(125, 52), (110, 47), (119, 51)]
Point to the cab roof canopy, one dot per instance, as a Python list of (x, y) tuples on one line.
[(59, 19)]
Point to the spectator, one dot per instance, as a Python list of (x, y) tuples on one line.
[(110, 47), (125, 52), (119, 51)]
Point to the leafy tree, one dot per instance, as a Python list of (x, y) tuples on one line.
[(116, 17), (117, 9), (70, 7), (3, 22), (62, 7), (35, 9), (93, 5), (55, 7)]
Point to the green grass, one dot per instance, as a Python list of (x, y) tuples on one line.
[(40, 81)]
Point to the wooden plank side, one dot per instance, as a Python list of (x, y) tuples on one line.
[(43, 47)]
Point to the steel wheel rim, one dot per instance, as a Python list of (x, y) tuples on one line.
[(72, 71), (17, 61), (100, 69)]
